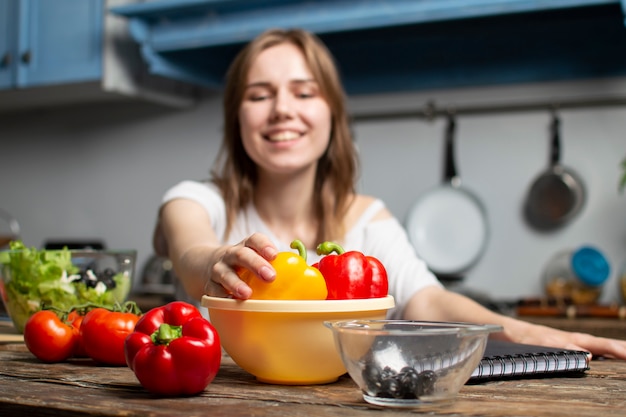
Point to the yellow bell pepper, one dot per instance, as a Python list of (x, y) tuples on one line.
[(295, 279)]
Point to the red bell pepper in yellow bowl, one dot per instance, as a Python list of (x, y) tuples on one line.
[(352, 274)]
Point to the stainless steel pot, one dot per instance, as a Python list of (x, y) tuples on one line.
[(556, 195)]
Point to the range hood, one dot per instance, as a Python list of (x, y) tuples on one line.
[(394, 45)]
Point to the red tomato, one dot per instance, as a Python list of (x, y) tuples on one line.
[(75, 319), (49, 338), (103, 333)]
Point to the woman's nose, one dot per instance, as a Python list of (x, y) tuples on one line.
[(283, 105)]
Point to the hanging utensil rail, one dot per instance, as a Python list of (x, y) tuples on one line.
[(431, 110)]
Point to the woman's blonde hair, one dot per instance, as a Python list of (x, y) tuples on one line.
[(236, 174)]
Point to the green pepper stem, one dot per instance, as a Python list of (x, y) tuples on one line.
[(82, 309), (297, 244), (131, 307), (166, 333), (326, 248)]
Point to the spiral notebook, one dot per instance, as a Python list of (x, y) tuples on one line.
[(514, 360)]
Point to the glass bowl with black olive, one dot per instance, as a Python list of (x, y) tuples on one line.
[(402, 363), (32, 279)]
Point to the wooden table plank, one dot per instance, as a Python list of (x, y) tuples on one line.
[(82, 388)]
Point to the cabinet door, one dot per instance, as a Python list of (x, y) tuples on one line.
[(8, 42), (59, 41)]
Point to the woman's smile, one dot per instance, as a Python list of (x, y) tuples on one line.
[(283, 136)]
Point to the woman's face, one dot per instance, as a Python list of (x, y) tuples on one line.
[(285, 122)]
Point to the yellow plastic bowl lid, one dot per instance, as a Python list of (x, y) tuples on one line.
[(299, 306)]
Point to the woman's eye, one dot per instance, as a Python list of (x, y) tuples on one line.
[(306, 90), (306, 93), (259, 97), (258, 94)]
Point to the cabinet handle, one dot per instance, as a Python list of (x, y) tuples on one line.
[(6, 60), (26, 57)]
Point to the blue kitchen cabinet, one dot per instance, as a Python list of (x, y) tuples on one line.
[(8, 47), (48, 42), (394, 45)]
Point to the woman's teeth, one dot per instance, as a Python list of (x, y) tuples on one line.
[(283, 136)]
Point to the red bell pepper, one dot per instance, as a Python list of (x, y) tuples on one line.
[(351, 274), (174, 350)]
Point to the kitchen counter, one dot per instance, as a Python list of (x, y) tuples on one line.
[(82, 388), (613, 328)]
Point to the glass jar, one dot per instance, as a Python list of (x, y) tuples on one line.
[(576, 276), (9, 229)]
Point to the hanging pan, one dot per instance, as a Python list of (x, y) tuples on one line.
[(556, 195), (447, 225)]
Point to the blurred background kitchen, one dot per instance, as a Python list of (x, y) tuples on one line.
[(87, 156)]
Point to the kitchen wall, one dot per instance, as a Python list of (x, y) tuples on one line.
[(98, 171)]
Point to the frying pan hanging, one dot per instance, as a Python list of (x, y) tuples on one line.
[(556, 195), (447, 225)]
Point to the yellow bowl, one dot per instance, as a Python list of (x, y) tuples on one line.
[(285, 341)]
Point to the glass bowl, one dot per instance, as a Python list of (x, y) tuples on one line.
[(285, 341), (401, 363), (31, 279)]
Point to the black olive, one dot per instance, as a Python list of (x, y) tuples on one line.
[(108, 273), (408, 383), (409, 380), (91, 278), (426, 384), (392, 388), (387, 373)]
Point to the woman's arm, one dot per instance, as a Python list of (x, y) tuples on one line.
[(202, 263), (438, 304)]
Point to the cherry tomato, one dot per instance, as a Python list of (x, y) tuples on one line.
[(103, 333), (49, 338)]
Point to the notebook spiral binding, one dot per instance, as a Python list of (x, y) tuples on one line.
[(543, 361)]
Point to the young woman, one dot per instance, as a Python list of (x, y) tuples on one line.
[(287, 170)]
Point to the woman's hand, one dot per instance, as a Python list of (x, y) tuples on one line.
[(253, 253), (533, 334), (438, 304), (185, 234)]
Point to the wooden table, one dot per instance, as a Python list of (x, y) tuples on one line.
[(82, 388)]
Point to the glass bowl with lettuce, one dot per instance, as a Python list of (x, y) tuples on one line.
[(32, 279)]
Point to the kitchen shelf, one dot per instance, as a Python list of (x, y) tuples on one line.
[(401, 45)]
